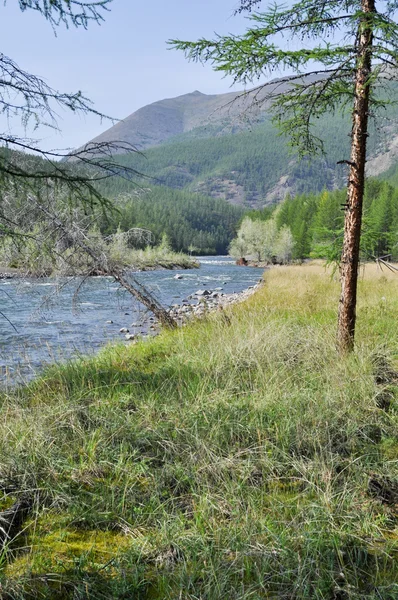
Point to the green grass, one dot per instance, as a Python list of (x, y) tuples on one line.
[(227, 460)]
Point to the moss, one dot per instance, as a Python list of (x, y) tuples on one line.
[(6, 501), (53, 547), (389, 448)]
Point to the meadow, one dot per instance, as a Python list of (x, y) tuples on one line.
[(236, 458)]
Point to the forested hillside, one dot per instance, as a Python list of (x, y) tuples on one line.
[(250, 168), (193, 223), (245, 161), (197, 185)]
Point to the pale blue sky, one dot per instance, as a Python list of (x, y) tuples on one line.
[(122, 64)]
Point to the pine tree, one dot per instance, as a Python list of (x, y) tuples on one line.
[(354, 43)]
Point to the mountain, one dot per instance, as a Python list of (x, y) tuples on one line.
[(160, 121), (225, 146)]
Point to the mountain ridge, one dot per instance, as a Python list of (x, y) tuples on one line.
[(158, 121)]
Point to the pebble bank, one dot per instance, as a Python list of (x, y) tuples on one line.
[(195, 306)]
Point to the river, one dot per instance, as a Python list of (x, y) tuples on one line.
[(43, 321)]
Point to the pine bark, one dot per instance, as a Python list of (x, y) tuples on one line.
[(356, 183)]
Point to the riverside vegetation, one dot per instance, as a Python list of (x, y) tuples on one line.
[(237, 457), (40, 254), (311, 226)]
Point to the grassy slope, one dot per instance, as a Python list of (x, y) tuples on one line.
[(227, 460)]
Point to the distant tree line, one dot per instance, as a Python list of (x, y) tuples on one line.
[(316, 222)]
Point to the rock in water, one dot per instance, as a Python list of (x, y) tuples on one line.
[(177, 276), (242, 262)]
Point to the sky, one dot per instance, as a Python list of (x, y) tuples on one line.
[(121, 65)]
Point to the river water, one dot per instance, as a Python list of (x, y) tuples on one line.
[(47, 323)]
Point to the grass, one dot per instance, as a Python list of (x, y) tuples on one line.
[(231, 459)]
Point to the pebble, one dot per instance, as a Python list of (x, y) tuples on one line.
[(177, 276), (123, 330), (129, 336), (209, 300), (109, 322)]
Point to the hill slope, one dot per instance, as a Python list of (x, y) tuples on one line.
[(200, 143)]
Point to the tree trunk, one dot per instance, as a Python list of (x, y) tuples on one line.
[(356, 183)]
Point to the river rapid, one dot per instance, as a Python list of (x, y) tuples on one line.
[(45, 321)]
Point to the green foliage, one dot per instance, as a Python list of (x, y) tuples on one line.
[(260, 240), (77, 13)]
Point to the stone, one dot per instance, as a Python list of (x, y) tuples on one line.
[(109, 322), (242, 262), (129, 336), (123, 330), (177, 276)]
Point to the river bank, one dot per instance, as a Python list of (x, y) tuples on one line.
[(202, 302), (56, 319), (230, 458), (197, 305)]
